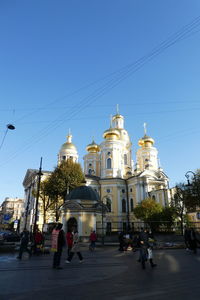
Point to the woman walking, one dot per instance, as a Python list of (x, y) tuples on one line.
[(75, 249)]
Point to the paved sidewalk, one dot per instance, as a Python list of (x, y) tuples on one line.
[(104, 274)]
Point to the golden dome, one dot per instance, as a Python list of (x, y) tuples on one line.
[(93, 147), (111, 133), (146, 140), (68, 145)]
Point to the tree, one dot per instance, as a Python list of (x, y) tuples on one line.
[(182, 202), (63, 179), (167, 216), (148, 211)]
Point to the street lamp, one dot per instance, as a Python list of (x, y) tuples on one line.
[(188, 176), (9, 127)]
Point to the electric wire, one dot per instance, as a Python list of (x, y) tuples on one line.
[(133, 68)]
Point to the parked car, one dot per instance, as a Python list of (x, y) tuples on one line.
[(9, 236)]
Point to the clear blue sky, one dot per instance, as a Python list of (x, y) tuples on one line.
[(66, 64)]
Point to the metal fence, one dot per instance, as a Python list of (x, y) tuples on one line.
[(113, 228)]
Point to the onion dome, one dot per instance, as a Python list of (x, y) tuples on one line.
[(111, 133), (93, 147), (146, 141), (68, 145), (83, 193)]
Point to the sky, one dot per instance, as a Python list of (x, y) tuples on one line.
[(67, 64)]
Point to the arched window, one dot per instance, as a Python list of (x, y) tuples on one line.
[(154, 198), (132, 205), (125, 159), (108, 163), (108, 204), (90, 171), (123, 205)]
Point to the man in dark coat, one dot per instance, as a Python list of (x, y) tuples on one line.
[(25, 237)]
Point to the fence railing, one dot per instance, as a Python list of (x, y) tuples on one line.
[(112, 228)]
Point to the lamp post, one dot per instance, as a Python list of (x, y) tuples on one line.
[(27, 206), (37, 196), (103, 210)]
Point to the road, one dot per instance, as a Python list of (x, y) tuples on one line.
[(104, 274)]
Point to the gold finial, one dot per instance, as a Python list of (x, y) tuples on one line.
[(110, 121), (145, 128), (69, 137), (117, 109)]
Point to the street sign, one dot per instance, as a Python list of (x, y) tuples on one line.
[(7, 217)]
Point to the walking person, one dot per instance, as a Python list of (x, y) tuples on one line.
[(121, 241), (58, 241), (25, 237), (143, 245), (187, 237), (193, 240), (69, 239), (150, 256), (93, 239), (75, 249), (38, 242)]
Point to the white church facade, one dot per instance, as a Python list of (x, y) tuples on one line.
[(120, 184), (111, 173)]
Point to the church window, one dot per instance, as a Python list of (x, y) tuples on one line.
[(108, 190), (154, 198), (123, 205), (64, 157), (108, 204), (131, 190), (90, 165), (90, 171), (123, 191), (108, 153), (125, 159), (108, 163), (132, 205)]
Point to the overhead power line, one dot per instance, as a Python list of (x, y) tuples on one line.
[(118, 77)]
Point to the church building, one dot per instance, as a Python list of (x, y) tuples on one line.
[(119, 183)]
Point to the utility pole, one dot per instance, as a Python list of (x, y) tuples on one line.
[(27, 206), (128, 208), (37, 196)]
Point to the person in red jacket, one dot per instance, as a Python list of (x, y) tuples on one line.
[(69, 239), (38, 241), (93, 239)]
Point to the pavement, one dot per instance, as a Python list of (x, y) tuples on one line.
[(105, 274)]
